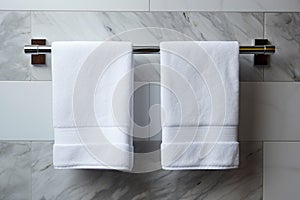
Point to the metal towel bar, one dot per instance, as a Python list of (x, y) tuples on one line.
[(261, 50)]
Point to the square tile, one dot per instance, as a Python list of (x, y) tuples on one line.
[(147, 68), (26, 110), (282, 29), (113, 5), (14, 34), (223, 5), (141, 107), (269, 111), (281, 170), (155, 129), (243, 183), (15, 171)]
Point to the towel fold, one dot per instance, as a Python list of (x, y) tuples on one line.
[(92, 107), (199, 97)]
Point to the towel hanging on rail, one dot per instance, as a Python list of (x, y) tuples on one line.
[(92, 86), (199, 97)]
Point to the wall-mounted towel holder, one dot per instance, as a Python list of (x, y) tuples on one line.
[(261, 50)]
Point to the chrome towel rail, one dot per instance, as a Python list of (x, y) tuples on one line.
[(261, 50), (257, 49)]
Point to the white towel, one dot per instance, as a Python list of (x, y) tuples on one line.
[(199, 97), (92, 86)]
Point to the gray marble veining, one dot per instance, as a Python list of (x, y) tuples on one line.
[(282, 29), (14, 33), (244, 183), (149, 29), (15, 171), (48, 183), (147, 68)]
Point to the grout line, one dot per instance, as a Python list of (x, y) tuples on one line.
[(264, 25), (263, 145), (31, 170), (281, 141), (147, 10), (272, 141), (264, 19), (26, 141), (149, 103), (51, 141), (30, 34)]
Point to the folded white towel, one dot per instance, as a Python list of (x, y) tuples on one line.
[(92, 86), (199, 97)]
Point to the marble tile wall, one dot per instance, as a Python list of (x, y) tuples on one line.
[(133, 26), (15, 171), (112, 5), (46, 183), (139, 28), (283, 30), (14, 32), (17, 27), (26, 170), (225, 5), (281, 170)]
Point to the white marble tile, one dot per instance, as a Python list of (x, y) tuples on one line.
[(15, 171), (141, 109), (155, 112), (14, 33), (112, 5), (244, 183), (26, 110), (42, 72), (281, 170), (282, 29), (48, 183), (269, 111), (147, 68), (151, 28), (147, 157), (225, 5)]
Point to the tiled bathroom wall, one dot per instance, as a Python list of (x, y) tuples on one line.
[(26, 170), (145, 28), (27, 173)]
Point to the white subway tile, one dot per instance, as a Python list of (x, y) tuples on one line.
[(281, 170), (26, 110), (141, 107), (225, 5), (269, 111), (155, 112), (101, 5)]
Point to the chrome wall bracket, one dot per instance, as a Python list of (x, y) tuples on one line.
[(38, 58), (261, 60)]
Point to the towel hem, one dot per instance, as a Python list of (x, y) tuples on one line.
[(93, 156), (180, 156), (205, 167)]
